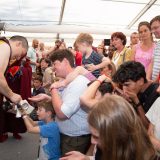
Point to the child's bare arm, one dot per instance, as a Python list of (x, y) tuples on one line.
[(70, 77), (34, 123), (31, 127), (105, 62), (77, 71), (88, 98)]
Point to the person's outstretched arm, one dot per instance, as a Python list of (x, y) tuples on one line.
[(105, 62), (88, 98), (70, 77), (4, 88), (75, 155), (31, 125), (40, 97)]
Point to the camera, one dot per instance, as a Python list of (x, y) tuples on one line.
[(7, 106), (107, 42), (23, 105)]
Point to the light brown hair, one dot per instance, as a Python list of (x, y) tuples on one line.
[(144, 23), (84, 38), (47, 106), (122, 135), (38, 78), (111, 67)]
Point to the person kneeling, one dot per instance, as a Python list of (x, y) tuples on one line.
[(48, 130)]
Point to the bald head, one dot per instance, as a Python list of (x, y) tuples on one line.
[(35, 43)]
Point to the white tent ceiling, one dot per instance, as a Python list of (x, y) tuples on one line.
[(51, 19)]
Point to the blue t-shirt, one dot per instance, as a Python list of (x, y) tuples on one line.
[(50, 141)]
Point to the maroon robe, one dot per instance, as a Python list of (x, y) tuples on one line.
[(20, 84)]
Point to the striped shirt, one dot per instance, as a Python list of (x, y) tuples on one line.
[(156, 61), (95, 59)]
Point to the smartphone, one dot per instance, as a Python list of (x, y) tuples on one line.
[(107, 42), (62, 40)]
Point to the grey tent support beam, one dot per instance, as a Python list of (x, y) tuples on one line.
[(141, 13), (61, 15)]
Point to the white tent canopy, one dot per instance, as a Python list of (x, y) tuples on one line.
[(51, 19)]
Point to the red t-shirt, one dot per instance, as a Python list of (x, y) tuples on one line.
[(78, 58)]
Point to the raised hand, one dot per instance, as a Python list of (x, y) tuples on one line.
[(40, 97), (74, 155)]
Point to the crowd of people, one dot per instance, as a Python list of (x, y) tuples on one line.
[(89, 102)]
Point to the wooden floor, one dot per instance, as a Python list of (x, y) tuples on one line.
[(24, 149)]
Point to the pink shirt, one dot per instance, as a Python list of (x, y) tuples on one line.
[(144, 57)]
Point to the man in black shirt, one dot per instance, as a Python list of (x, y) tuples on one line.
[(136, 88)]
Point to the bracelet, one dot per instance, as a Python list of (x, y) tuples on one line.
[(98, 81), (138, 105)]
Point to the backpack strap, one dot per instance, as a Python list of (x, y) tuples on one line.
[(124, 55)]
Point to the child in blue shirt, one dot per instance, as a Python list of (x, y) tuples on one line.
[(48, 130)]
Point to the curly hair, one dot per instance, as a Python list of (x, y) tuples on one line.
[(60, 54), (130, 70), (121, 36)]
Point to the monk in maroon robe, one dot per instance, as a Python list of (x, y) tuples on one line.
[(19, 80)]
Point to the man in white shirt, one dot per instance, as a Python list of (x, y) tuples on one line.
[(71, 118), (31, 54)]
